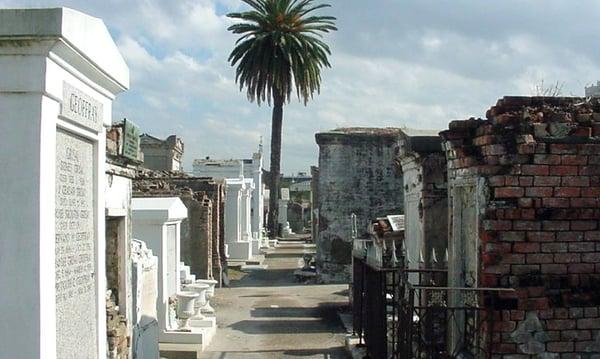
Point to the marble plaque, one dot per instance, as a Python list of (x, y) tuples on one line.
[(76, 314), (81, 108), (285, 194), (397, 222)]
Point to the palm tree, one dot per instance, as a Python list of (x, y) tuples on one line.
[(280, 51)]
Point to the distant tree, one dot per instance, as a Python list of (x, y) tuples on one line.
[(280, 51), (552, 90)]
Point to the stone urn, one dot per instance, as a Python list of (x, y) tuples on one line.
[(185, 308), (202, 290), (209, 294)]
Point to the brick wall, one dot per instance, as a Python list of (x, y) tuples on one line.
[(535, 164), (205, 252)]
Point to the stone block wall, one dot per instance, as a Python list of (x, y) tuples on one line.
[(356, 175), (524, 188)]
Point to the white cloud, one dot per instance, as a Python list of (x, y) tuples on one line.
[(417, 63)]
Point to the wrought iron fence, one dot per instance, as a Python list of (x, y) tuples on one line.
[(395, 318)]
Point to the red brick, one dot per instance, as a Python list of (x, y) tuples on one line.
[(539, 191), (509, 236), (546, 159), (573, 160), (503, 347), (582, 132), (556, 202), (513, 258), (554, 247), (589, 170), (511, 181), (584, 225), (580, 268), (575, 335), (569, 236), (525, 181), (492, 225), (564, 170), (509, 192), (567, 191), (590, 312), (566, 257), (576, 181), (590, 192), (540, 236), (536, 170), (584, 202), (526, 247), (561, 313), (594, 160), (589, 149), (576, 313), (588, 323), (591, 257), (560, 148), (498, 247), (484, 140), (525, 202), (554, 269), (517, 314), (497, 269), (493, 150), (534, 304), (585, 346), (561, 324), (528, 213), (526, 148), (537, 258), (581, 247), (560, 347), (526, 225), (592, 236), (555, 225), (496, 181), (522, 269)]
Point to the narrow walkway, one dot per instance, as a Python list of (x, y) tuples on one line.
[(268, 314)]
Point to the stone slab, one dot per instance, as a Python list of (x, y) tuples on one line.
[(76, 320)]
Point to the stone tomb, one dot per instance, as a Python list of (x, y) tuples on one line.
[(423, 165), (158, 221), (60, 72), (237, 229)]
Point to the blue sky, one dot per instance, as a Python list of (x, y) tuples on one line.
[(398, 63)]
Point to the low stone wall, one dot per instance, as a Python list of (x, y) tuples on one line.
[(524, 195)]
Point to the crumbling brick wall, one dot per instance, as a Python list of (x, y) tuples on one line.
[(205, 202), (534, 166), (356, 175)]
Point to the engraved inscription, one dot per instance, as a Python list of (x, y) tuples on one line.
[(75, 248), (81, 108)]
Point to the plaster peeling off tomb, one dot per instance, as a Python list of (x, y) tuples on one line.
[(356, 175)]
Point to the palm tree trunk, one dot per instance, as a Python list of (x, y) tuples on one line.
[(276, 125)]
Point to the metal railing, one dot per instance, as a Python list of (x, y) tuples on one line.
[(424, 318)]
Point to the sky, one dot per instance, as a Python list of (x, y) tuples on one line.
[(395, 63)]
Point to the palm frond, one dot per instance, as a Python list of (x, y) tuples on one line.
[(280, 50)]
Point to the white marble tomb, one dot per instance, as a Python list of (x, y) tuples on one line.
[(158, 221), (60, 70)]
